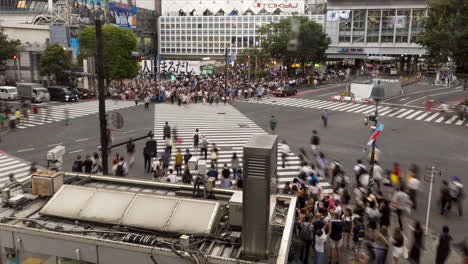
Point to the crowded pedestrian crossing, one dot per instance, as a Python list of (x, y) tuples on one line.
[(402, 112), (62, 112), (222, 125), (10, 164)]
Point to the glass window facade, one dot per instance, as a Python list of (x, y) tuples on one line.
[(380, 25), (373, 25), (359, 25), (345, 25), (417, 23), (199, 36), (388, 26)]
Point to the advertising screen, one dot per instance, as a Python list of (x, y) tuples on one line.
[(122, 15), (86, 12)]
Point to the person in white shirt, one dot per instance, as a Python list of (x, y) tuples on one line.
[(285, 150), (320, 239), (172, 178), (413, 187), (378, 175)]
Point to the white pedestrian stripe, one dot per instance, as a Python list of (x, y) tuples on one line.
[(10, 164), (388, 111), (222, 125), (72, 110)]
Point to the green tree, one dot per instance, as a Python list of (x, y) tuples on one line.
[(55, 60), (118, 46), (8, 47), (295, 40), (446, 31)]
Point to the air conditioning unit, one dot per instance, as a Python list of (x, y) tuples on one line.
[(46, 183)]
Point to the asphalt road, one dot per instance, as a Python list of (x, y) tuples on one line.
[(402, 141)]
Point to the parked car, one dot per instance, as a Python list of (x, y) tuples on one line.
[(61, 93), (82, 93), (284, 91), (393, 71), (8, 93)]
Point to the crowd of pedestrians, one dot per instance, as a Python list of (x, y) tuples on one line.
[(369, 225)]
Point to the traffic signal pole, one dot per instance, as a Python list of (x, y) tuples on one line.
[(102, 95), (225, 70)]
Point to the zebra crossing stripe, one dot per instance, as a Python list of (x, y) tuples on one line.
[(414, 114), (222, 129), (10, 164), (405, 113), (402, 113), (396, 112), (432, 117), (72, 110), (453, 118), (422, 116)]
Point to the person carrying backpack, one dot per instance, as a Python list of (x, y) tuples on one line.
[(306, 234), (196, 139), (121, 168)]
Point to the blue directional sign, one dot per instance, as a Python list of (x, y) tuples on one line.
[(228, 60)]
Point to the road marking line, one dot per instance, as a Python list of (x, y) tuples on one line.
[(430, 95), (432, 117), (414, 114), (24, 150), (404, 99), (51, 145), (405, 113), (80, 150), (451, 119), (459, 122), (440, 119), (422, 116), (83, 139), (326, 94), (425, 91), (397, 112)]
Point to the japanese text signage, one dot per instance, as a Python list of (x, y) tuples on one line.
[(179, 66)]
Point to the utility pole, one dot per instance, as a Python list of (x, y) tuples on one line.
[(102, 95), (431, 172), (226, 70)]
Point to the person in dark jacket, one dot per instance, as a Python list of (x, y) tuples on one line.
[(167, 131), (418, 244), (187, 176), (443, 249)]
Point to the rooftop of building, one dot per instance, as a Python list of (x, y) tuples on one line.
[(118, 212)]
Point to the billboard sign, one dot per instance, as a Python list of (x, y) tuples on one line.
[(86, 12), (122, 15), (179, 67)]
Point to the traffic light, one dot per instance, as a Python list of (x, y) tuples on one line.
[(15, 57), (248, 57)]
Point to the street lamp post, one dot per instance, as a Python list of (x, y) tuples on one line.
[(225, 70)]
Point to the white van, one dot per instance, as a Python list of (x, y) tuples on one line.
[(8, 93)]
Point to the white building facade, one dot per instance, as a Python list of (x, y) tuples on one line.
[(210, 35)]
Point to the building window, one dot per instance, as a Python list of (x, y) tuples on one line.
[(359, 25), (388, 25), (402, 20), (373, 25), (417, 24), (21, 4), (345, 26)]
